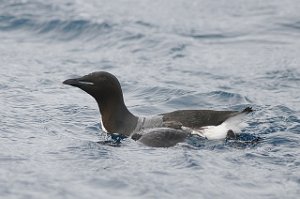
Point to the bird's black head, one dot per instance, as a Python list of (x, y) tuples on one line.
[(106, 89), (101, 85)]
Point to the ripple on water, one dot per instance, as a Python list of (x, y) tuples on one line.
[(61, 29), (207, 100), (295, 26)]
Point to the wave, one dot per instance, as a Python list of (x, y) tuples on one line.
[(292, 25), (210, 100), (68, 29)]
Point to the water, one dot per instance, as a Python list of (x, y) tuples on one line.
[(168, 55)]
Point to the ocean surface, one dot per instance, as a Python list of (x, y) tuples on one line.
[(168, 55)]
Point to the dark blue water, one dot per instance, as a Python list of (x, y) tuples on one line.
[(168, 55)]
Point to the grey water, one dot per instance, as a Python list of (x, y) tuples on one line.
[(168, 55)]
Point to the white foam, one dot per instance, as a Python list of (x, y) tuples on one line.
[(236, 124)]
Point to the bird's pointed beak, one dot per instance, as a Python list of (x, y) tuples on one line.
[(78, 82), (72, 82)]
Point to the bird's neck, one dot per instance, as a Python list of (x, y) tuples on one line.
[(116, 118)]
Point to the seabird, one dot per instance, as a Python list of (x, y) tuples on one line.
[(162, 130)]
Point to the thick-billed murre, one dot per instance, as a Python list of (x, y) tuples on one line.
[(163, 130)]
